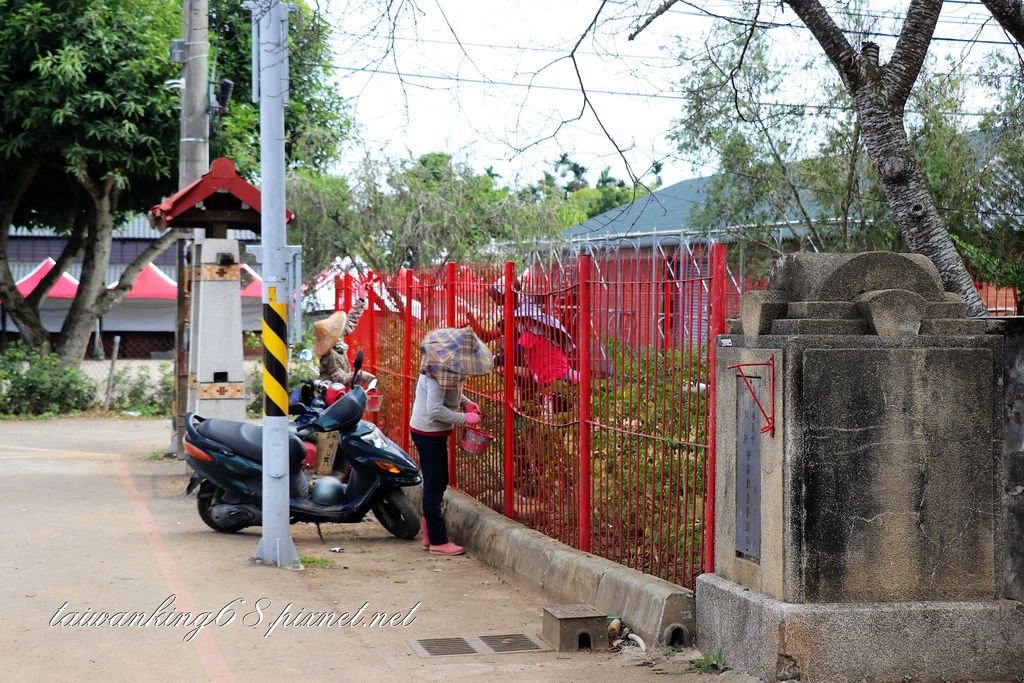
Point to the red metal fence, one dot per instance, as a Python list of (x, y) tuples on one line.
[(614, 456), (607, 452)]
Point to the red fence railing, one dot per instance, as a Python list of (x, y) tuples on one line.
[(616, 455), (608, 452)]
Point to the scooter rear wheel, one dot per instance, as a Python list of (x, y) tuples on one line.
[(208, 496), (397, 514)]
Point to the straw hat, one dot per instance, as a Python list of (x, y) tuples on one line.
[(327, 332)]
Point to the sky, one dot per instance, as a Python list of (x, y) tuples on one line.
[(491, 82)]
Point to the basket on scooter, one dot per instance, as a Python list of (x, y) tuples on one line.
[(474, 441), (374, 400)]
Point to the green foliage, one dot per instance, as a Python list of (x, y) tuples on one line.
[(796, 175), (709, 663), (574, 201), (84, 91), (784, 172), (417, 212), (315, 561), (654, 410), (32, 383), (316, 119), (134, 390), (299, 370)]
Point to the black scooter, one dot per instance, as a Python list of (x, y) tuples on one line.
[(227, 457)]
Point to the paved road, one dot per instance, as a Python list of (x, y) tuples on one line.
[(95, 521)]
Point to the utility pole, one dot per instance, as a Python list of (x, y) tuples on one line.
[(193, 162), (270, 22), (195, 144)]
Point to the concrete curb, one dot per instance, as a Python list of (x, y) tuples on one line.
[(658, 611)]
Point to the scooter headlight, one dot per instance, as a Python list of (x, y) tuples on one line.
[(375, 438)]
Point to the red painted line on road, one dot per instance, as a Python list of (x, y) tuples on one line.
[(209, 654)]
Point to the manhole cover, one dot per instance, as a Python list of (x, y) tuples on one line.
[(477, 645)]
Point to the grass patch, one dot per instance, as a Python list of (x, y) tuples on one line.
[(709, 664), (313, 561)]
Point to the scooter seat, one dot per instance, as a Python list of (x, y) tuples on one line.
[(247, 440)]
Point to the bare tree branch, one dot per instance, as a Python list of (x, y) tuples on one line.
[(1010, 15), (900, 74), (657, 13)]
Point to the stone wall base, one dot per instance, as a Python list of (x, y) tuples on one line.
[(918, 641)]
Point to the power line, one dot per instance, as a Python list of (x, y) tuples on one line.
[(457, 80)]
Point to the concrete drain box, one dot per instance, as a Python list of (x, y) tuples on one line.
[(569, 628)]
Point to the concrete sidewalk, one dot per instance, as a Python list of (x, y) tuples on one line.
[(95, 520)]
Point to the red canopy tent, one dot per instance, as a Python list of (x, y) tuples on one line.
[(55, 307), (152, 283), (65, 287), (254, 290)]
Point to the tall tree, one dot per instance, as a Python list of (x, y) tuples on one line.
[(86, 119), (85, 110), (880, 92), (796, 172)]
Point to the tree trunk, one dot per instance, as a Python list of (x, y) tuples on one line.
[(880, 93), (913, 210), (21, 312), (94, 299), (74, 336)]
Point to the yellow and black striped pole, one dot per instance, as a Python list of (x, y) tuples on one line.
[(276, 546), (275, 360)]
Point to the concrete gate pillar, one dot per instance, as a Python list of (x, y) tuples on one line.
[(859, 532), (217, 383)]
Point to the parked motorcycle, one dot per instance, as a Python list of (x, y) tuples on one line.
[(227, 458)]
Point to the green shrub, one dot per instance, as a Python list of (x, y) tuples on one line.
[(136, 391), (32, 383)]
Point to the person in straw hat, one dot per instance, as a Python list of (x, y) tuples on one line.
[(329, 341), (448, 357)]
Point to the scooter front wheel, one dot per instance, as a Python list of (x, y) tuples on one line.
[(208, 496), (397, 514)]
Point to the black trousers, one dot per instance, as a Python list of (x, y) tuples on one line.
[(433, 451)]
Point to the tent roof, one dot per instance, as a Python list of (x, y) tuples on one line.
[(255, 288), (65, 287), (152, 283)]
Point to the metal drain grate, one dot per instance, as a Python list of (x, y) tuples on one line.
[(513, 642), (477, 645), (440, 647)]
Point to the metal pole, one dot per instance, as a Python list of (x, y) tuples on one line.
[(509, 350), (371, 304), (346, 292), (194, 145), (276, 545), (716, 326), (110, 374), (583, 338), (406, 356), (193, 162), (449, 293)]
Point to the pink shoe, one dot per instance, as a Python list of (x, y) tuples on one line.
[(424, 536), (448, 548)]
